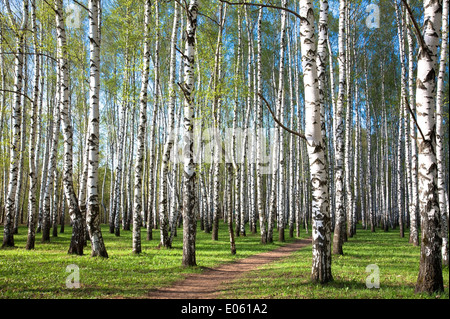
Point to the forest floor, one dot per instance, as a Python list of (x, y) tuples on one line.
[(273, 271), (210, 283)]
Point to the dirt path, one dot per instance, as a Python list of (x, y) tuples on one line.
[(207, 285)]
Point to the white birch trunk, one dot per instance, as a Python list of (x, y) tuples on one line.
[(400, 157), (321, 264), (339, 139), (430, 270), (414, 200), (8, 236), (217, 105), (163, 204), (152, 189), (189, 220), (93, 216), (259, 139), (440, 134), (76, 244), (34, 126), (141, 135)]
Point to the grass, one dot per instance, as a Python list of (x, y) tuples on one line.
[(289, 278), (41, 273)]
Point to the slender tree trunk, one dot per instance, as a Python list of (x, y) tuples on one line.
[(163, 202), (31, 237), (152, 189), (339, 137), (321, 265), (51, 163), (23, 143), (48, 138), (230, 208), (236, 166), (141, 135), (414, 200), (292, 187), (217, 105), (189, 220), (400, 157), (8, 234), (76, 243), (281, 195), (348, 129), (56, 202), (440, 135), (259, 140), (93, 216)]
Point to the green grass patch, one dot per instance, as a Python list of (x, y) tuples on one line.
[(41, 273), (290, 278)]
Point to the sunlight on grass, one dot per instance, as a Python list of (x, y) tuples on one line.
[(41, 273), (398, 263)]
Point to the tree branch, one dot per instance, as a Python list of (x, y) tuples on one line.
[(263, 6), (278, 122), (417, 125), (81, 5), (15, 92), (422, 43)]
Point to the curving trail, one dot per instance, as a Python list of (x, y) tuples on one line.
[(208, 284)]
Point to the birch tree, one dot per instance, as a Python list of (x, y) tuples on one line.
[(93, 207), (439, 134), (8, 236), (163, 205), (339, 139), (217, 120), (259, 137), (321, 231), (430, 270), (189, 220), (76, 244), (137, 212), (34, 125), (413, 204)]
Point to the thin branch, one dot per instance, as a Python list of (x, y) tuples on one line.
[(51, 6), (182, 54), (417, 125), (185, 91), (263, 6), (278, 122), (81, 5), (32, 53), (422, 43), (15, 92)]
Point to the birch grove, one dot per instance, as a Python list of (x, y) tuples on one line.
[(238, 119)]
